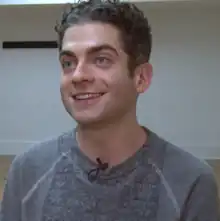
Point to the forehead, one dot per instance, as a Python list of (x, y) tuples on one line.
[(81, 37)]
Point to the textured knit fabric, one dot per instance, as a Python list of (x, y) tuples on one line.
[(160, 182)]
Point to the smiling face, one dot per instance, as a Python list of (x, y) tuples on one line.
[(96, 86)]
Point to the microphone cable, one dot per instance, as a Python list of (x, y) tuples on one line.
[(94, 173)]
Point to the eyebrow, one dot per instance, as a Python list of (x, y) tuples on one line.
[(91, 50)]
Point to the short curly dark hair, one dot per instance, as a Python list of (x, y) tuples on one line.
[(126, 17)]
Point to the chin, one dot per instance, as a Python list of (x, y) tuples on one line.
[(86, 120)]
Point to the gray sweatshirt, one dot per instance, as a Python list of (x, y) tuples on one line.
[(55, 181)]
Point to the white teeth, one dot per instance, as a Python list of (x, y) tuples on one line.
[(87, 96)]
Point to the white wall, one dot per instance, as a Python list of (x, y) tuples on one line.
[(183, 104)]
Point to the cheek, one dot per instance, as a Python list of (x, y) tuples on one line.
[(123, 85), (123, 93), (64, 84), (64, 92), (62, 87)]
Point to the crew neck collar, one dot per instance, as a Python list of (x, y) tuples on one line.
[(84, 164)]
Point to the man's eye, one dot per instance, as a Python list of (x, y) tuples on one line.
[(67, 64), (103, 61)]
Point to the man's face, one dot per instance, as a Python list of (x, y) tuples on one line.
[(95, 84)]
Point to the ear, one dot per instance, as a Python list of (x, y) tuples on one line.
[(143, 77)]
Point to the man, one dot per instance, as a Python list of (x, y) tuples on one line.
[(109, 168)]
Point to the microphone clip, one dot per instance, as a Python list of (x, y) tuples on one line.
[(94, 173), (101, 165)]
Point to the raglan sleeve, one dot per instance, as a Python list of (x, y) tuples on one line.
[(203, 201), (10, 208)]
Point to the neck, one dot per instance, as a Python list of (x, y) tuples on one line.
[(112, 143)]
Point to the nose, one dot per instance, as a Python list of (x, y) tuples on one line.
[(82, 74)]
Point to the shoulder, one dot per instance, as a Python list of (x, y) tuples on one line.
[(185, 177), (188, 182), (181, 169), (183, 163), (47, 151), (186, 173), (177, 161), (43, 152), (193, 183), (39, 158)]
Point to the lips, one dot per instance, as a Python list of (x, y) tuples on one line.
[(87, 96)]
